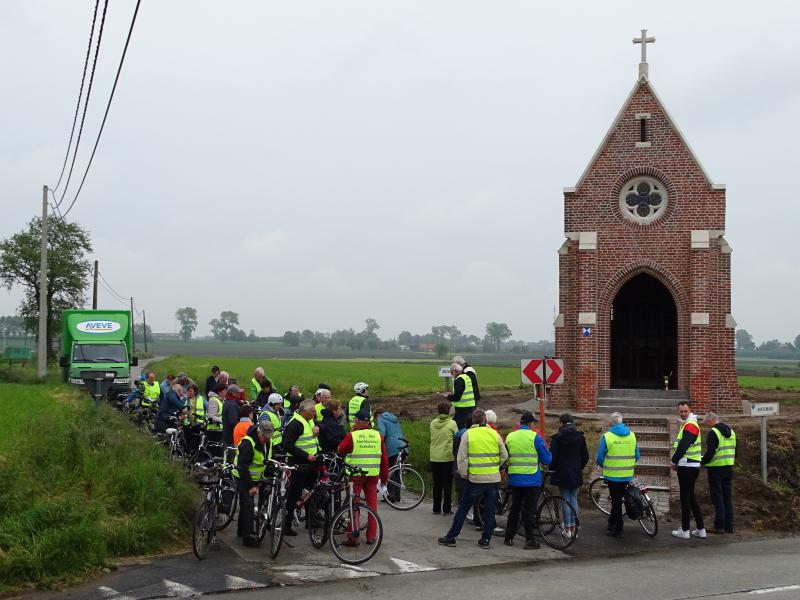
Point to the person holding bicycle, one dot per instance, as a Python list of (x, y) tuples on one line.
[(366, 449), (389, 427), (617, 455), (526, 451), (253, 450), (300, 443)]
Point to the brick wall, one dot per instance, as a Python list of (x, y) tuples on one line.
[(697, 278)]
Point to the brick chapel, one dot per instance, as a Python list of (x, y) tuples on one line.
[(645, 271)]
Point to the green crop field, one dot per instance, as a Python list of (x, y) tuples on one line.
[(80, 486), (770, 383), (384, 378)]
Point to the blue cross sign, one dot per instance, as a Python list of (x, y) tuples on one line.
[(587, 332)]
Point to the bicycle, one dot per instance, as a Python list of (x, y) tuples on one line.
[(173, 438), (601, 498), (348, 523), (271, 512), (323, 500), (406, 487), (209, 476)]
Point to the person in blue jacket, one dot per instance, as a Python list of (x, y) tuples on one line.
[(389, 427), (616, 483)]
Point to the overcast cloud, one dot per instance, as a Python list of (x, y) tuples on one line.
[(311, 164)]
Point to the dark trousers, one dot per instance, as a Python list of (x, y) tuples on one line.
[(442, 486), (474, 492), (299, 481), (523, 500), (687, 478), (460, 415), (394, 490), (616, 490), (244, 527), (719, 485)]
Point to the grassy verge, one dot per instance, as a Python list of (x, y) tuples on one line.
[(79, 487), (759, 382), (384, 378)]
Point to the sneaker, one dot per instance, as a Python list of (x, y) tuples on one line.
[(699, 533), (531, 545), (351, 543), (681, 533), (447, 541), (499, 531), (508, 542), (483, 543)]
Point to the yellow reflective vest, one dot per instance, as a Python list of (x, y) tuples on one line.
[(216, 426), (353, 407), (522, 456), (694, 452), (620, 460), (307, 441), (366, 452), (726, 450), (256, 468), (484, 450), (151, 393), (467, 399)]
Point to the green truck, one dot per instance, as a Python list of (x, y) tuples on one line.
[(98, 340)]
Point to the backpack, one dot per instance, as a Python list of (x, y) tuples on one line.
[(634, 502)]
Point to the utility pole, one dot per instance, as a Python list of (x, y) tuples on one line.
[(133, 326), (41, 370), (144, 328), (94, 288)]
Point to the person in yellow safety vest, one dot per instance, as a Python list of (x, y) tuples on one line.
[(216, 399), (718, 461), (365, 449), (617, 455), (197, 415), (293, 398), (358, 403), (255, 382), (253, 451), (686, 461), (470, 372), (463, 396), (152, 390), (321, 397), (273, 412), (526, 451), (300, 443), (480, 454)]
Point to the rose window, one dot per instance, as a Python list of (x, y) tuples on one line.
[(643, 200)]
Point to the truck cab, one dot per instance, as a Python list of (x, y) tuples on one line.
[(97, 340)]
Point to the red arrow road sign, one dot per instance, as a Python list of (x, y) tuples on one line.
[(555, 371), (531, 370)]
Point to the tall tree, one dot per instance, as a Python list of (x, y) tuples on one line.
[(497, 332), (744, 341), (138, 332), (226, 327), (67, 271), (371, 325), (797, 343), (187, 317)]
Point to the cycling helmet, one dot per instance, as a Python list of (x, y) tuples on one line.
[(275, 399), (360, 387)]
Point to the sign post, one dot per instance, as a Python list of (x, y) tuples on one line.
[(445, 373), (542, 371), (762, 410)]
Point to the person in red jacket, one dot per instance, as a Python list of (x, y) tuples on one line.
[(367, 483)]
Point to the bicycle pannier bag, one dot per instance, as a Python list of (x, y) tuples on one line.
[(634, 502)]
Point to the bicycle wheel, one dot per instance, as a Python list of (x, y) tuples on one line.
[(601, 497), (224, 519), (277, 518), (348, 534), (550, 523), (649, 521), (406, 490), (318, 518), (203, 531)]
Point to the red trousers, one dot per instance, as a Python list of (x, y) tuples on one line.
[(369, 485)]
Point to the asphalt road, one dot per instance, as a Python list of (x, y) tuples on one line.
[(765, 569)]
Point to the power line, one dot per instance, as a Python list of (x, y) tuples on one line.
[(86, 102), (80, 94), (108, 106), (110, 291), (117, 294)]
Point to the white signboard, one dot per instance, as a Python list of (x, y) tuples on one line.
[(764, 409), (444, 372)]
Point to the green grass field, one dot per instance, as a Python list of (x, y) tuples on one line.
[(758, 382), (384, 378), (80, 486)]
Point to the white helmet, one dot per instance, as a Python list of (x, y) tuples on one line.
[(360, 387), (275, 399)]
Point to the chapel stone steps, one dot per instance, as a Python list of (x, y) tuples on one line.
[(639, 402)]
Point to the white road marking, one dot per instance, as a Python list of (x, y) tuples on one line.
[(783, 588), (239, 583), (180, 590), (112, 593), (406, 566)]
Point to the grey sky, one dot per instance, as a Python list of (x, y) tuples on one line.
[(311, 164)]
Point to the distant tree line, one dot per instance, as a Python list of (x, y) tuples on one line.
[(745, 346)]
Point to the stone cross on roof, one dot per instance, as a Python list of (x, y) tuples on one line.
[(644, 40)]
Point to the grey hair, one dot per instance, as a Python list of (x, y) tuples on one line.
[(615, 418), (305, 405), (224, 375), (259, 370), (321, 392), (459, 360), (456, 367), (266, 427), (710, 416)]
